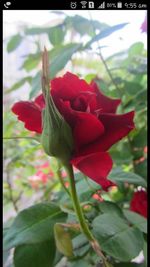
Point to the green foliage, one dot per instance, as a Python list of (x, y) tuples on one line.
[(60, 57), (116, 237), (83, 26), (137, 220), (104, 33), (80, 245), (33, 225), (31, 62), (110, 207), (14, 42), (39, 254), (86, 187), (117, 175), (56, 35)]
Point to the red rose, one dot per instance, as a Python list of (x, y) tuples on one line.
[(91, 116), (139, 203)]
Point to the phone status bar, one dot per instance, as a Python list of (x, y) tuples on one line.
[(106, 5)]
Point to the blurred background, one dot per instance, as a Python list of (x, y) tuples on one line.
[(108, 46), (30, 41)]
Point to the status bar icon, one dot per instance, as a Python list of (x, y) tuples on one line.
[(102, 6), (119, 5)]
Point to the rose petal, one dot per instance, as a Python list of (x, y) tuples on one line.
[(104, 103), (116, 127), (66, 111), (39, 100), (30, 114), (139, 203), (87, 129), (68, 87), (96, 166)]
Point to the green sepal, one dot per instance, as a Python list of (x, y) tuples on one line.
[(57, 139)]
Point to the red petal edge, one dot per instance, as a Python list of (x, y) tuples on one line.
[(30, 114), (96, 166), (105, 103)]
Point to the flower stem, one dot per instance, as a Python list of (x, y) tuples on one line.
[(59, 176), (84, 227)]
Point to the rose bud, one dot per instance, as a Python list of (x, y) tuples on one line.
[(56, 136)]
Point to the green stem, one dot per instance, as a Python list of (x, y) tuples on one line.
[(84, 227), (59, 176)]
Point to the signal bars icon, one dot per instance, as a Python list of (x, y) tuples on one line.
[(102, 6)]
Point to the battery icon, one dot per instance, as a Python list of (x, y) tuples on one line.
[(119, 5)]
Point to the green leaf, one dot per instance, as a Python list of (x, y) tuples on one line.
[(31, 62), (84, 26), (6, 253), (80, 263), (35, 85), (137, 70), (19, 84), (67, 207), (102, 85), (132, 88), (110, 207), (139, 101), (80, 245), (56, 35), (140, 139), (141, 169), (142, 96), (121, 154), (63, 240), (136, 49), (137, 220), (85, 188), (104, 33), (116, 237), (33, 225), (89, 77), (14, 42), (39, 255), (60, 57), (117, 175)]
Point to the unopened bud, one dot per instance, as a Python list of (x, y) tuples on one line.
[(57, 139)]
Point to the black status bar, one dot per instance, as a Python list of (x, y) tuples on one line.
[(72, 5)]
